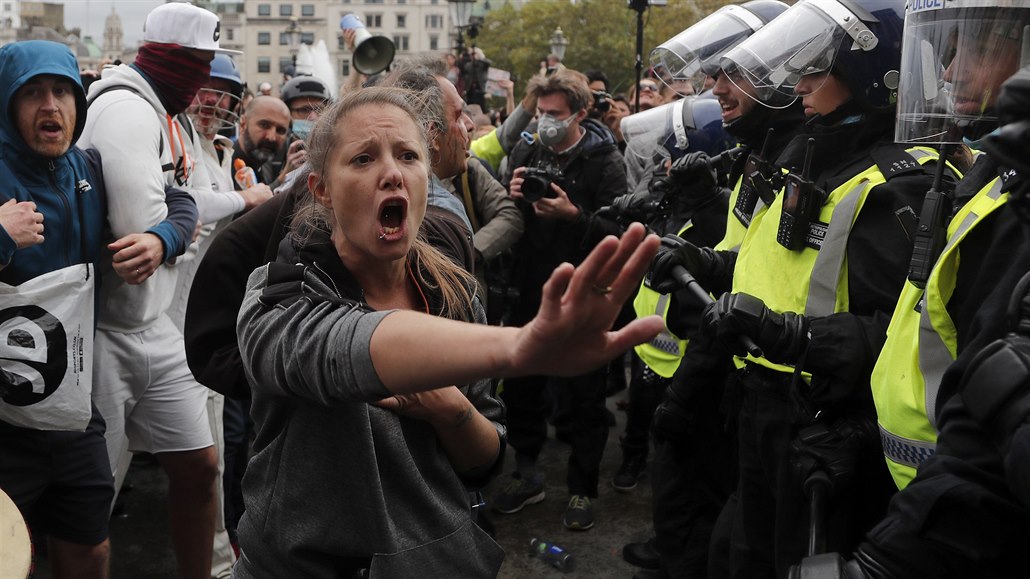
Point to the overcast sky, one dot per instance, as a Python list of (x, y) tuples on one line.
[(90, 15)]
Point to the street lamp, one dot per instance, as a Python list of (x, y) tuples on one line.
[(559, 43), (293, 35), (461, 11)]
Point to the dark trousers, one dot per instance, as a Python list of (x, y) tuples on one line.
[(691, 479), (238, 427), (528, 406), (770, 530), (645, 393)]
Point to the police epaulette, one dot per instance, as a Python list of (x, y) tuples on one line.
[(893, 160)]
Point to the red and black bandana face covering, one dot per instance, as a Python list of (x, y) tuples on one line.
[(174, 73)]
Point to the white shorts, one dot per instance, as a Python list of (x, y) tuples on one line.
[(145, 391)]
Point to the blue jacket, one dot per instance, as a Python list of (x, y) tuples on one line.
[(64, 189), (68, 190)]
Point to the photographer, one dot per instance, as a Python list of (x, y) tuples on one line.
[(560, 179)]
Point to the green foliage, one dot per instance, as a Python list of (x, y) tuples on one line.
[(601, 34)]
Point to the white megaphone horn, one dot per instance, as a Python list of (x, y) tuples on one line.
[(372, 54)]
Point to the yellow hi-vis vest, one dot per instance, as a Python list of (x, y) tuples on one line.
[(735, 228), (662, 353), (812, 282), (921, 344)]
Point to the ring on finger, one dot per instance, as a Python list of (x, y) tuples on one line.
[(601, 290)]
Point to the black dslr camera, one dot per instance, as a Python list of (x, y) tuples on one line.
[(602, 104), (537, 181)]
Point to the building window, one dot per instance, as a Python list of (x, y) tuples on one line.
[(434, 21), (402, 1), (340, 44), (434, 1), (229, 33), (307, 9), (264, 10), (286, 10), (402, 21), (284, 39), (373, 1), (264, 64), (344, 68), (373, 20), (264, 38), (285, 63), (434, 42), (307, 37), (401, 42)]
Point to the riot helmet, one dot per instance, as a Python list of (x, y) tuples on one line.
[(956, 55), (694, 53), (859, 41), (669, 131), (212, 109), (305, 86)]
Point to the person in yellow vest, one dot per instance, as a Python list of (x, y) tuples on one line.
[(965, 513), (815, 278)]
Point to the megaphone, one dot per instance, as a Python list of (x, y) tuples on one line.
[(372, 54)]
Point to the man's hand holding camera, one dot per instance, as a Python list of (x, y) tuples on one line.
[(557, 206)]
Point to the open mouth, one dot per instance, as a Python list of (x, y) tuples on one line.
[(51, 129), (391, 217), (728, 107)]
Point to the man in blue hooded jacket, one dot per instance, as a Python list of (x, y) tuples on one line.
[(55, 466)]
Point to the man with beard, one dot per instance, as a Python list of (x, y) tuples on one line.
[(53, 459), (264, 127), (694, 466)]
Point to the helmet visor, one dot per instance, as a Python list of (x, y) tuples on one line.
[(801, 41), (694, 53), (953, 62), (647, 132)]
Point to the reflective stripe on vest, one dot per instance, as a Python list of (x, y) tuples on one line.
[(921, 344), (810, 281), (663, 353), (934, 354)]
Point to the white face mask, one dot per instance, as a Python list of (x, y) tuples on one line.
[(551, 131)]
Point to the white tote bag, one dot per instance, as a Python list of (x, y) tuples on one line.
[(46, 350)]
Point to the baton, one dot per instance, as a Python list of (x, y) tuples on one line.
[(690, 282)]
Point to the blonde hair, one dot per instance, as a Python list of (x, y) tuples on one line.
[(433, 268)]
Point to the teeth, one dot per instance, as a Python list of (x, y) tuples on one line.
[(390, 230)]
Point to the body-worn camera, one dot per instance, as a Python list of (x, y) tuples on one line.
[(537, 181)]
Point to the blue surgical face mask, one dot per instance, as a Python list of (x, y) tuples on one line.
[(302, 128), (551, 131)]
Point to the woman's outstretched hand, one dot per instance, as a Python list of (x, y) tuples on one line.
[(571, 332)]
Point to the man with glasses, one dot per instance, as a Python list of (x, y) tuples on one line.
[(650, 95)]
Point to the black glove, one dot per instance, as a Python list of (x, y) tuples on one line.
[(633, 206), (827, 566), (694, 171), (782, 337), (674, 250), (834, 449)]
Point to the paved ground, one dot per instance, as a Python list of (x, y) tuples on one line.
[(141, 548)]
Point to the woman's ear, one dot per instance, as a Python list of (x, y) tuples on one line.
[(317, 188)]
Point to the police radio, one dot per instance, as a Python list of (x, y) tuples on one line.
[(932, 232), (800, 199), (756, 183)]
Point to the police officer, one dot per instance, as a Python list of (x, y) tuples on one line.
[(815, 276), (965, 512), (690, 481)]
